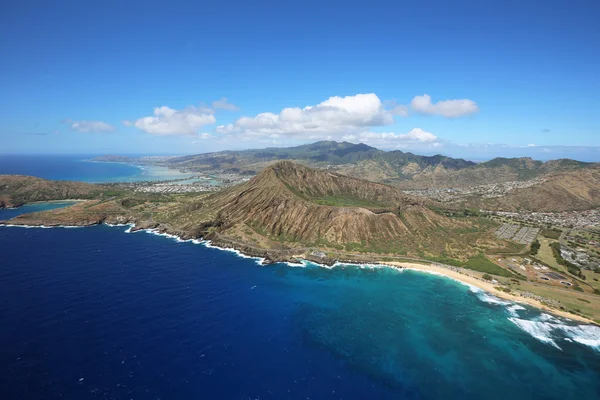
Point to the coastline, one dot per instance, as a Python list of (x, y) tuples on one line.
[(485, 286), (266, 257), (55, 201), (15, 207)]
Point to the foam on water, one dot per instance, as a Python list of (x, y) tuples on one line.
[(491, 299), (41, 226), (208, 243), (540, 330), (301, 264), (512, 309), (587, 335), (549, 329), (545, 327)]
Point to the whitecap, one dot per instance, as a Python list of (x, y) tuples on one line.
[(548, 318), (491, 299), (547, 329), (514, 308), (588, 335), (300, 264), (542, 331), (208, 243)]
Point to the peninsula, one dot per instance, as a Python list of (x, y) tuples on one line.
[(289, 211)]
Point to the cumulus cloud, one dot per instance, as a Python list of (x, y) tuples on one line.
[(446, 108), (224, 104), (416, 137), (167, 121), (395, 108), (334, 116), (89, 126)]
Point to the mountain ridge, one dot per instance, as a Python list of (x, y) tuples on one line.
[(289, 206), (403, 169)]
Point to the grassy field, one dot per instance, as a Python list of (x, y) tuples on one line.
[(551, 233), (483, 264), (589, 278), (583, 303), (545, 255)]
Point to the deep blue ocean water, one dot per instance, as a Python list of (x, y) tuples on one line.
[(97, 313), (78, 168)]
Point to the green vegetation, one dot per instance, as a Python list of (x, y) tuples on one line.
[(323, 152), (487, 277), (572, 268), (546, 256), (446, 260), (551, 233), (535, 247), (346, 201), (483, 264), (457, 213)]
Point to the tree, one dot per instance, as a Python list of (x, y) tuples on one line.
[(535, 247)]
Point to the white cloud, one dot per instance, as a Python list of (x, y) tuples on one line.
[(202, 137), (224, 104), (334, 116), (400, 110), (167, 121), (416, 137), (446, 108), (395, 108), (89, 126)]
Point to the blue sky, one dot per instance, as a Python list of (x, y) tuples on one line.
[(467, 78)]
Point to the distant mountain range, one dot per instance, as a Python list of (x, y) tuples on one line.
[(319, 154), (556, 185), (402, 169)]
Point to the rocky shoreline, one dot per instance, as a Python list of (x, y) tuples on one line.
[(271, 256), (81, 216)]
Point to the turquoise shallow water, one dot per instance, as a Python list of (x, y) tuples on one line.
[(6, 214), (99, 313), (78, 168)]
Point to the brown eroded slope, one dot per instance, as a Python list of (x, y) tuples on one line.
[(298, 206), (295, 208), (568, 191)]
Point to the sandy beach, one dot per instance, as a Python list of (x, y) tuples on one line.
[(484, 285)]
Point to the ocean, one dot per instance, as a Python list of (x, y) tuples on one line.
[(98, 313), (79, 168)]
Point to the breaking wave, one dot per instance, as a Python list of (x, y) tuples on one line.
[(551, 330), (544, 327)]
